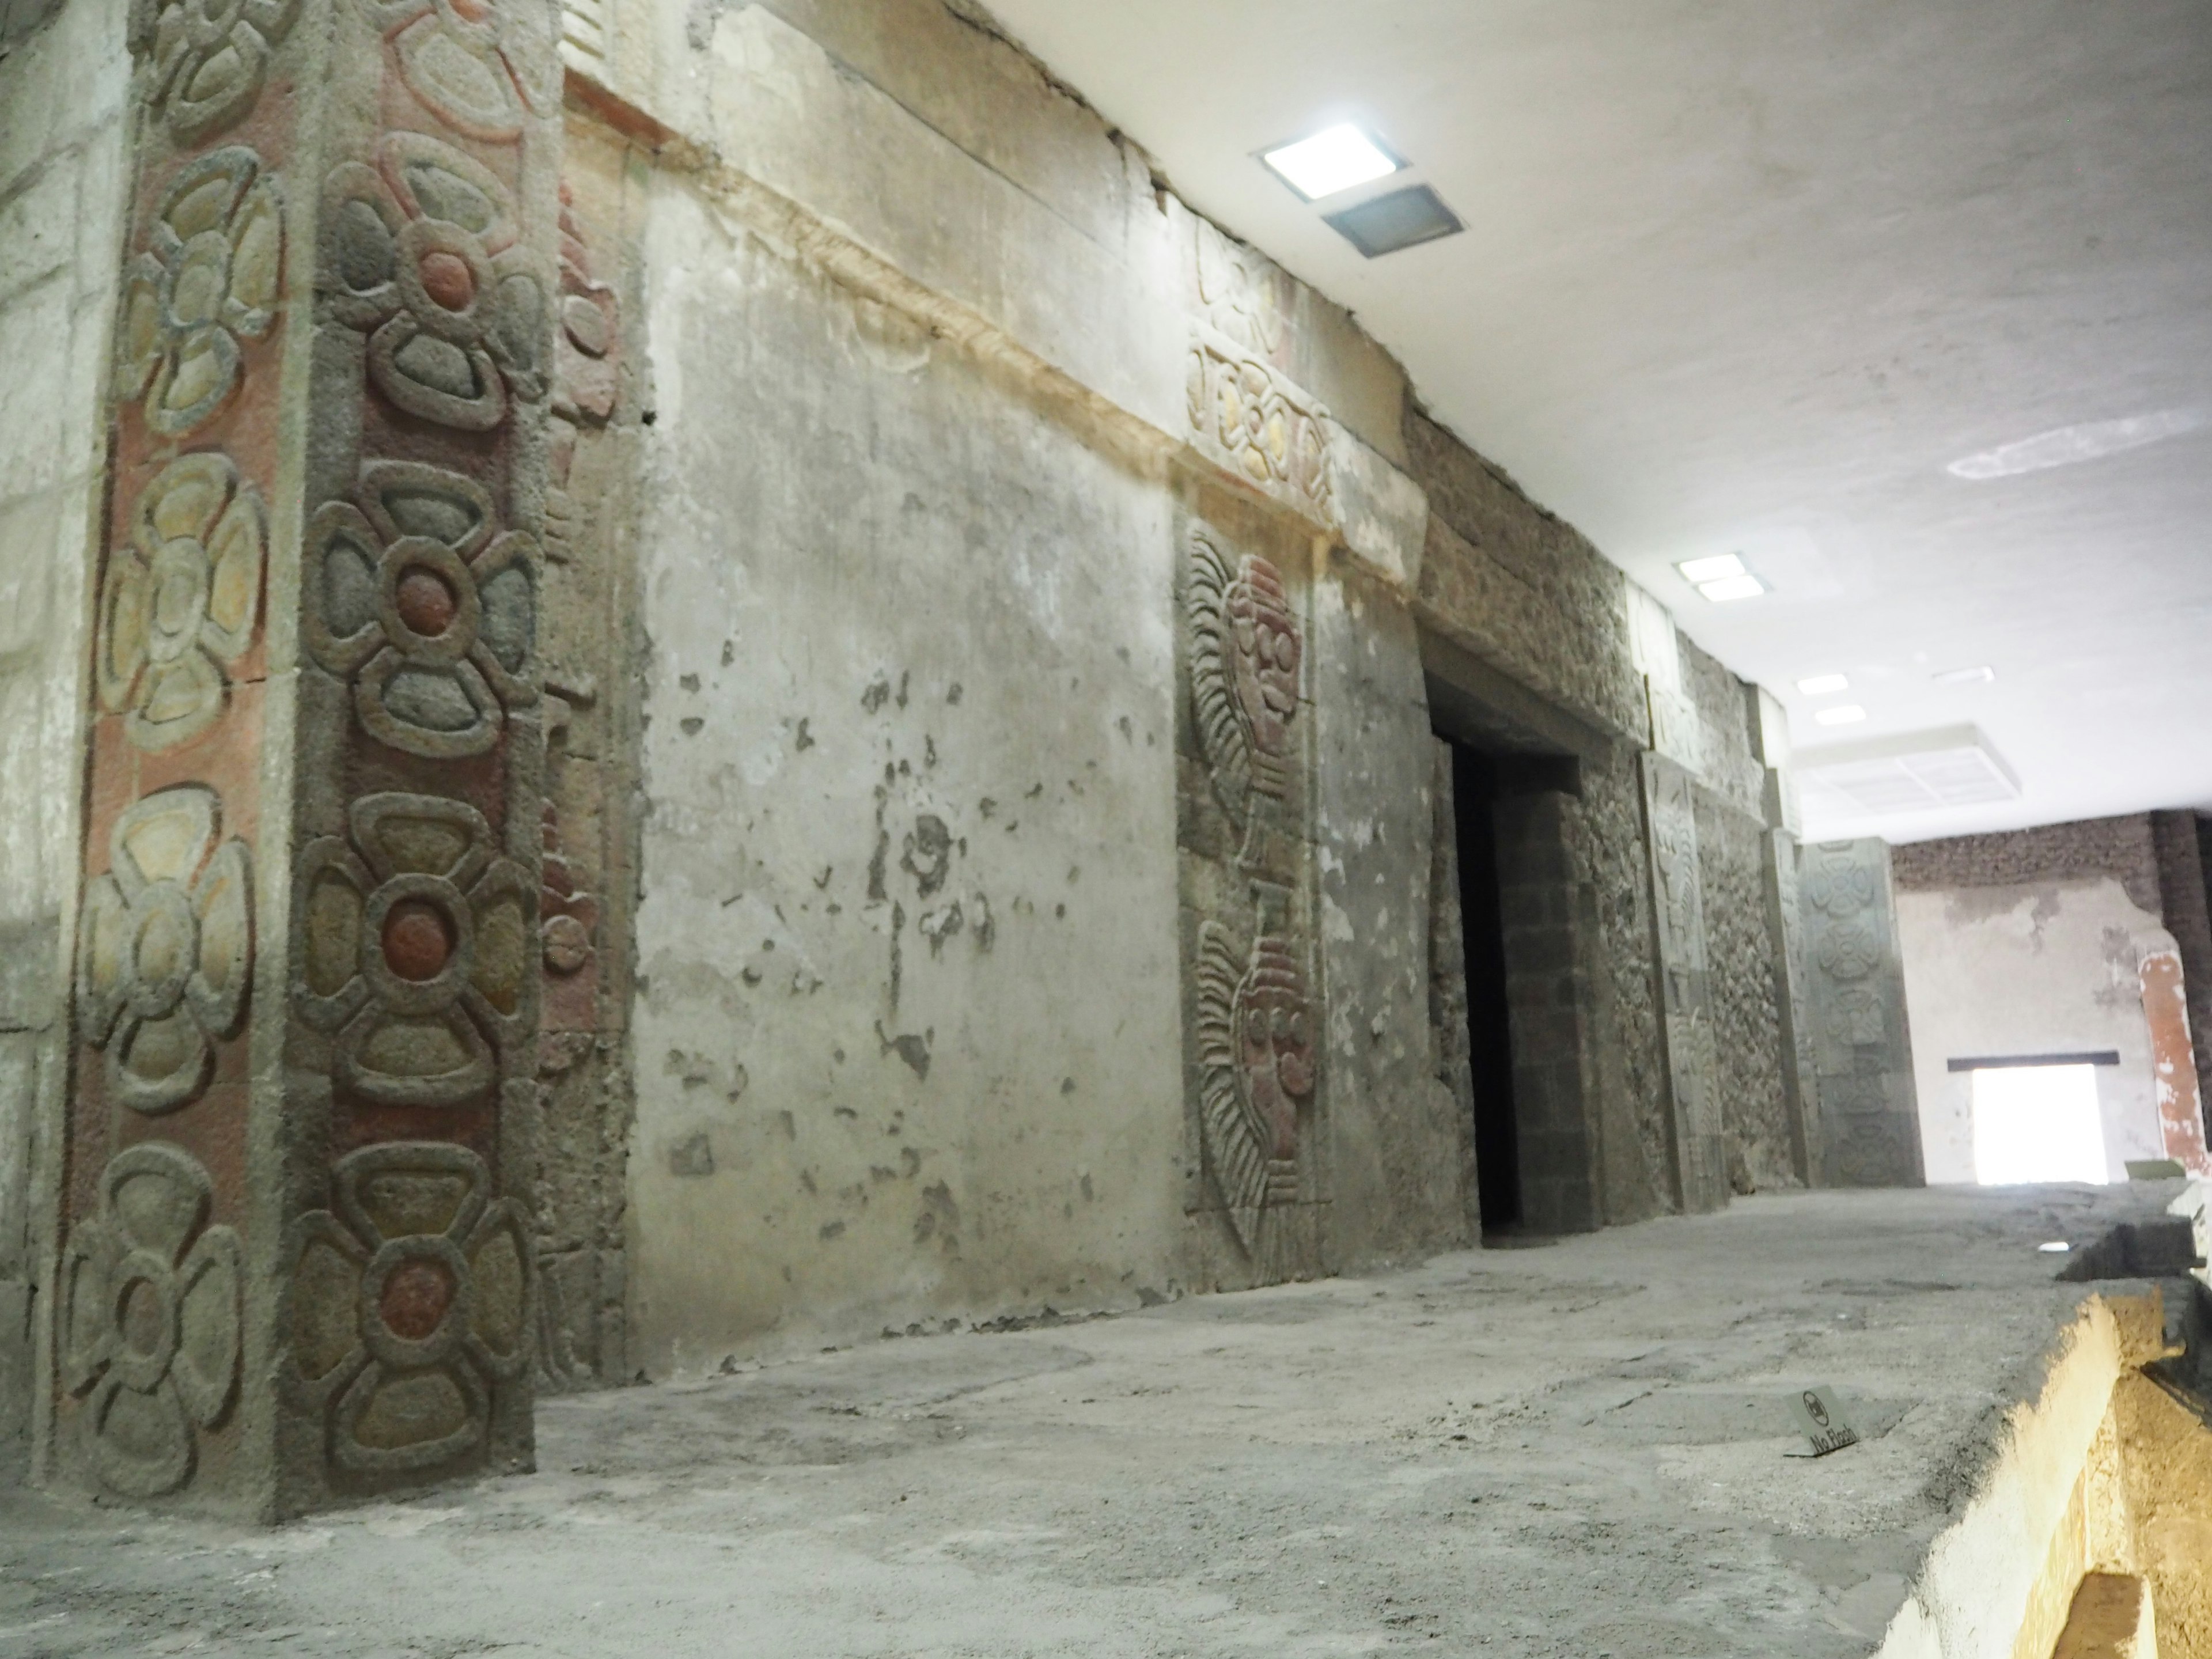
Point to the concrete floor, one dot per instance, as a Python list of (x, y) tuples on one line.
[(1572, 1449)]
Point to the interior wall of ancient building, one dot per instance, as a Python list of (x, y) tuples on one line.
[(983, 629), (63, 131), (2048, 967)]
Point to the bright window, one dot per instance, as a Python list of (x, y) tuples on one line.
[(2036, 1123)]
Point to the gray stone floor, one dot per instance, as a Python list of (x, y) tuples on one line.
[(1576, 1448)]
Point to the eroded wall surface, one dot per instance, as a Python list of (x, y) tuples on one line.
[(2040, 968), (63, 78)]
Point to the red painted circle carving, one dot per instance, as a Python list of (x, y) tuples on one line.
[(425, 601), (416, 1294), (418, 940), (446, 278)]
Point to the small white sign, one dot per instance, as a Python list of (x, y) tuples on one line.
[(1820, 1415)]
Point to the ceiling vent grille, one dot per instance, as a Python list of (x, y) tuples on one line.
[(1916, 773)]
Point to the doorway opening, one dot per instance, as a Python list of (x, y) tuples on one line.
[(2036, 1123), (1489, 1030)]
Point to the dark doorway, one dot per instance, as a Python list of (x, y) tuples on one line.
[(1490, 1041)]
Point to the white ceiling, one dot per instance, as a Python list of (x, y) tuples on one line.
[(1747, 274)]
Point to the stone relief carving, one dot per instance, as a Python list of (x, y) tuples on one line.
[(1855, 996), (1245, 658), (206, 63), (413, 945), (210, 276), (429, 611), (409, 1301), (1256, 1048), (1684, 963), (1266, 426), (587, 351), (150, 1319), (567, 915), (485, 67), (421, 253), (1245, 293), (166, 949), (180, 600)]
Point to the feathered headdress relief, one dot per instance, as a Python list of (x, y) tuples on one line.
[(1245, 651), (1255, 1055)]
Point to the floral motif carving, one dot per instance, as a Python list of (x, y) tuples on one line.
[(429, 611), (167, 946), (485, 67), (1257, 1060), (1842, 888), (1848, 951), (210, 276), (150, 1319), (421, 252), (1245, 656), (207, 59), (179, 600), (410, 1299), (1266, 426), (414, 946), (1246, 294)]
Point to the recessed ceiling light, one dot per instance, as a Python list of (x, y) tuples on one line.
[(1402, 218), (1823, 685), (1745, 586), (1843, 714), (1712, 570), (1336, 158), (1964, 675)]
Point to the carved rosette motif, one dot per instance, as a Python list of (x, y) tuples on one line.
[(477, 65), (1266, 426), (205, 60), (165, 953), (150, 1320), (408, 1300), (413, 945), (210, 276), (421, 253), (425, 607), (180, 601)]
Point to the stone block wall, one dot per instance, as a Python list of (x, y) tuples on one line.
[(63, 129)]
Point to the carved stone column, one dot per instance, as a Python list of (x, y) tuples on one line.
[(296, 1260), (1869, 1120), (1686, 985)]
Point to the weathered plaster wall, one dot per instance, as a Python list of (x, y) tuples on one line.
[(1400, 1144), (905, 948), (2048, 967), (64, 76)]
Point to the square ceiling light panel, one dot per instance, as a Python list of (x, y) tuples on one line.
[(1404, 218), (1336, 158), (1917, 771)]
